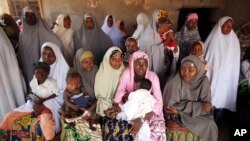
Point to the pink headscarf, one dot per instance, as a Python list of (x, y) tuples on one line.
[(192, 16)]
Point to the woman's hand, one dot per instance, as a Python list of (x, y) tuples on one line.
[(171, 110), (137, 123), (149, 115), (207, 107), (125, 98)]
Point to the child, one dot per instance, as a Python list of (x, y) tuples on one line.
[(75, 97), (139, 103), (132, 45), (42, 89), (198, 50)]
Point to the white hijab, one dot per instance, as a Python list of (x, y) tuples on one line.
[(106, 82), (223, 55), (12, 86), (142, 22), (113, 32), (58, 71), (31, 39), (151, 43), (66, 36)]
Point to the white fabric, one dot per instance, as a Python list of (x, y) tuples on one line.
[(142, 22), (12, 86), (106, 82), (66, 36), (151, 43), (138, 105), (58, 71), (245, 69), (113, 32), (223, 55), (44, 90)]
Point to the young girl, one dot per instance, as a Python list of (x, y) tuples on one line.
[(132, 45), (198, 50)]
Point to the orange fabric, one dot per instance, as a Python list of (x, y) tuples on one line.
[(48, 126), (10, 118), (45, 111)]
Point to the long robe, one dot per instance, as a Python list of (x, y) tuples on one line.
[(94, 40), (31, 39), (223, 55), (12, 85), (142, 22), (188, 97)]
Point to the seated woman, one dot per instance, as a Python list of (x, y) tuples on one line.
[(84, 65), (187, 101), (138, 68), (51, 54)]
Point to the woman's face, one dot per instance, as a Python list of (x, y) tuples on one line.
[(89, 23), (188, 71), (197, 50), (87, 64), (132, 46), (227, 27), (110, 21), (192, 24), (140, 66), (67, 22), (48, 55), (30, 18), (41, 75), (116, 61)]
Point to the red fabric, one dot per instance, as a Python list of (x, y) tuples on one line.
[(46, 111)]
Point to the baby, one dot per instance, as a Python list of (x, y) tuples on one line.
[(135, 107), (75, 97)]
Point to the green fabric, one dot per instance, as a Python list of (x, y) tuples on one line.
[(173, 135)]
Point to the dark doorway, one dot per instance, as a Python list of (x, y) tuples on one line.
[(205, 23)]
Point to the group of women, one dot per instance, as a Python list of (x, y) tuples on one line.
[(185, 106)]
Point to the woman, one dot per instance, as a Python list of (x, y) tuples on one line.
[(151, 43), (84, 65), (65, 33), (12, 85), (188, 35), (223, 72), (112, 31), (187, 100), (51, 54), (138, 68), (91, 37), (142, 22), (11, 29), (121, 26), (34, 34), (107, 78)]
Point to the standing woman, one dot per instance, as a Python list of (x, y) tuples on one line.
[(34, 34), (107, 78), (12, 86), (142, 22), (91, 37), (221, 45), (188, 34), (112, 31), (65, 33)]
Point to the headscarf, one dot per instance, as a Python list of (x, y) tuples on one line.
[(151, 43), (30, 41), (223, 55), (58, 71), (12, 86), (118, 24), (203, 49), (192, 16), (142, 22), (113, 32), (66, 36), (106, 82), (94, 40), (88, 78)]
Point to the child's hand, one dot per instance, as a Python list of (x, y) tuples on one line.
[(207, 107), (171, 110)]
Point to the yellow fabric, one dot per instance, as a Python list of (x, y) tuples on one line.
[(86, 54), (173, 135)]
